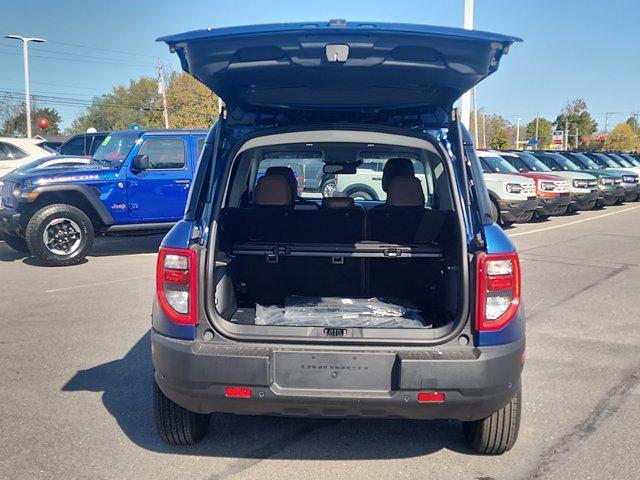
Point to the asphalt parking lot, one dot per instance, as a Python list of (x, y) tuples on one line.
[(76, 376)]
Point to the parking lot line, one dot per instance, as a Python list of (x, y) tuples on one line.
[(572, 223), (107, 282)]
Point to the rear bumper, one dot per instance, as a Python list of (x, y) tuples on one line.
[(553, 205), (517, 210), (476, 382), (9, 220)]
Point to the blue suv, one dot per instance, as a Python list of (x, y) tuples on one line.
[(136, 180), (276, 301)]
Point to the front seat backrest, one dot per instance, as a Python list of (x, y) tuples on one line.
[(288, 174), (273, 191), (405, 191), (395, 167)]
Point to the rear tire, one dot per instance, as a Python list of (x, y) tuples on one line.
[(327, 188), (495, 212), (15, 242), (527, 218), (360, 195), (177, 425), (59, 235), (497, 433)]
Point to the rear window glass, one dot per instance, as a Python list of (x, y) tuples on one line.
[(75, 146), (362, 177)]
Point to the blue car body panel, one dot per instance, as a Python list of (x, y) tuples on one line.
[(284, 69)]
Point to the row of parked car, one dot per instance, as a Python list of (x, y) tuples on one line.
[(76, 150), (524, 185)]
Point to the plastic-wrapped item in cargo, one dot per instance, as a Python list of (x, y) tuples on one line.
[(341, 312)]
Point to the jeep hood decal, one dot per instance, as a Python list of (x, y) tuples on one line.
[(339, 65)]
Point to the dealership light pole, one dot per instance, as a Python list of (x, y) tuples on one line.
[(518, 120), (465, 101), (27, 95)]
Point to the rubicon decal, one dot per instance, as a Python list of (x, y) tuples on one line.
[(71, 178)]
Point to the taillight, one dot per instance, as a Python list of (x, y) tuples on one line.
[(176, 281), (498, 290)]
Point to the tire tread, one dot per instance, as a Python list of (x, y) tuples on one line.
[(177, 425), (497, 433)]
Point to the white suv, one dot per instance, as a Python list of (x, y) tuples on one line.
[(513, 197), (366, 183)]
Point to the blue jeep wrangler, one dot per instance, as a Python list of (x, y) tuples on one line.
[(136, 180), (271, 301)]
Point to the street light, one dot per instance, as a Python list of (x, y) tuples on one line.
[(25, 44)]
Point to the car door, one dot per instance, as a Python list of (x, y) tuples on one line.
[(159, 193), (11, 157)]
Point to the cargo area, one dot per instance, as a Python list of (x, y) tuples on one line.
[(289, 260)]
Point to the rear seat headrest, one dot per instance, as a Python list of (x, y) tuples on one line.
[(273, 191), (405, 191), (287, 173), (338, 203), (394, 167)]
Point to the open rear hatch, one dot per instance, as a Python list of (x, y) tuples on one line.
[(339, 65)]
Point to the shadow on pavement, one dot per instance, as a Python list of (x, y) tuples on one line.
[(126, 386), (102, 247), (126, 245)]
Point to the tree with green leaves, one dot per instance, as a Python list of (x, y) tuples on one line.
[(621, 139), (500, 139), (15, 121), (632, 121), (494, 125), (137, 103), (190, 104), (575, 116), (544, 130)]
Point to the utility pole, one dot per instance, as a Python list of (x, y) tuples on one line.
[(484, 128), (537, 130), (465, 101), (475, 117), (635, 131), (161, 91), (566, 133), (27, 94), (577, 137), (606, 129), (518, 119)]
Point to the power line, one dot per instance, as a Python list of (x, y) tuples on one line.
[(77, 60), (49, 51), (51, 84), (52, 100), (122, 52)]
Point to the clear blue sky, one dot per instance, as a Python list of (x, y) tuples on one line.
[(572, 48)]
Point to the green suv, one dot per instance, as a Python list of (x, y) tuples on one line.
[(609, 183)]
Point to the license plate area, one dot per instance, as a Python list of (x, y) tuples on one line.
[(334, 372)]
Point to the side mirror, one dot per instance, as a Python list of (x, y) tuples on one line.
[(140, 163)]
